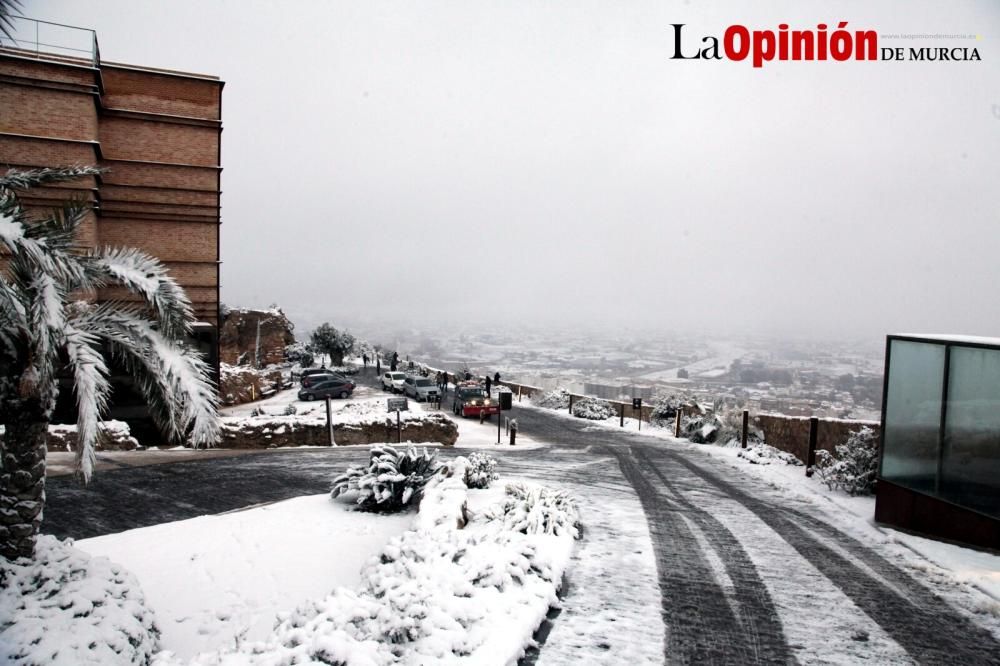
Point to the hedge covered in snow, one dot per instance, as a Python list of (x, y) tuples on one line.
[(556, 399), (66, 607), (593, 409), (458, 588)]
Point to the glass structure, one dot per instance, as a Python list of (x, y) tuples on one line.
[(941, 420)]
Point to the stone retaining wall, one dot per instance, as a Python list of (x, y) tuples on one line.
[(270, 433), (791, 433)]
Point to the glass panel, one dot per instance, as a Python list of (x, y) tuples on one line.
[(913, 414), (970, 472)]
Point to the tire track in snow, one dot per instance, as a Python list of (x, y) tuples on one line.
[(920, 621), (755, 608), (700, 625)]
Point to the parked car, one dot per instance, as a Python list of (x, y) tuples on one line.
[(312, 380), (334, 388), (471, 400), (393, 381), (420, 388), (313, 371)]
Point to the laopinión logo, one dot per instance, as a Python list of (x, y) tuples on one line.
[(759, 46)]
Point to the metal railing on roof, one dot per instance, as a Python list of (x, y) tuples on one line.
[(45, 39)]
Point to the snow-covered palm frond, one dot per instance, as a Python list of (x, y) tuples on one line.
[(90, 379), (146, 276), (26, 178), (173, 379), (45, 319), (12, 313), (46, 244)]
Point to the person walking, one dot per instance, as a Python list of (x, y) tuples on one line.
[(444, 382), (496, 378), (488, 384), (393, 362), (378, 365), (364, 357)]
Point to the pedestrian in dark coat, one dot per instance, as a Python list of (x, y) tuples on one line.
[(378, 366), (496, 378), (488, 384)]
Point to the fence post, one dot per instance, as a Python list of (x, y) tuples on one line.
[(813, 436), (677, 422), (746, 423), (570, 403), (329, 421), (621, 415)]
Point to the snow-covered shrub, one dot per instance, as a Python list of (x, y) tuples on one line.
[(258, 411), (66, 607), (664, 410), (763, 454), (436, 594), (593, 409), (392, 480), (299, 352), (701, 428), (855, 466), (290, 410), (731, 429), (531, 509), (555, 399), (481, 470)]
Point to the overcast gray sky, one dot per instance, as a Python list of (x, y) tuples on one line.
[(415, 157)]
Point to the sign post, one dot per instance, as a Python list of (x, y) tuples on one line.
[(329, 421), (398, 405), (637, 406)]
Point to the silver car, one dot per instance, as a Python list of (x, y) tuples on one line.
[(420, 388)]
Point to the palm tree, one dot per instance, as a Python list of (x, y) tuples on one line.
[(47, 325)]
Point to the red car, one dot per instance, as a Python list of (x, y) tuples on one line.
[(471, 400)]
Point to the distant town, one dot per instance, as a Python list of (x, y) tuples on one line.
[(829, 378)]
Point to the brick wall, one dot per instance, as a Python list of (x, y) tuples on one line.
[(157, 134)]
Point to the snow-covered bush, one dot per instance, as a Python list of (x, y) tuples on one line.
[(290, 410), (763, 454), (481, 470), (555, 399), (664, 410), (69, 608), (855, 466), (531, 509), (593, 409), (392, 481), (299, 352), (258, 411), (701, 428), (458, 588)]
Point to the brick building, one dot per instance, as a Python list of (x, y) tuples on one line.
[(156, 132)]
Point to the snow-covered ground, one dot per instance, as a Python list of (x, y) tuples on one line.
[(215, 578)]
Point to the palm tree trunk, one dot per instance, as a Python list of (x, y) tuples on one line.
[(22, 482)]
